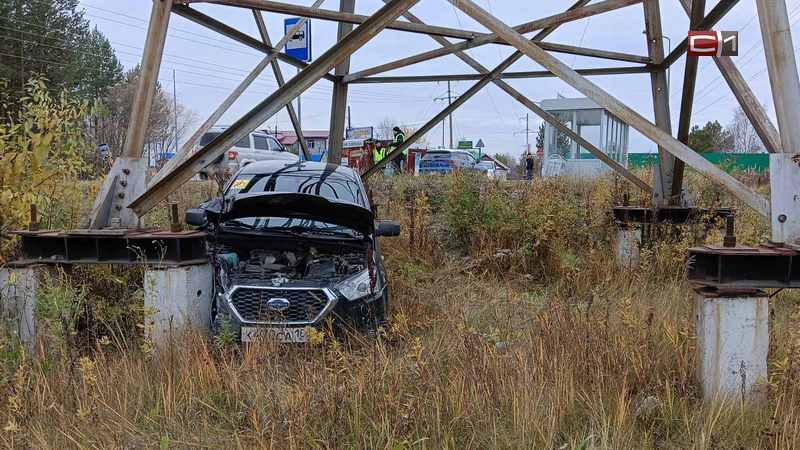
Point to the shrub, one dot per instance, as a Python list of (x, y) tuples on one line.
[(40, 161)]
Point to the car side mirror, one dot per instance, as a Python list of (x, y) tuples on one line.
[(196, 217), (387, 228)]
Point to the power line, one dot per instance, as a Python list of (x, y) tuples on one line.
[(208, 86), (756, 46), (139, 19), (727, 95), (363, 96)]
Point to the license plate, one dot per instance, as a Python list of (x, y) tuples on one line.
[(284, 335)]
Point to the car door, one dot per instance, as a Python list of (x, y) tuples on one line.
[(277, 151), (261, 149), (244, 150)]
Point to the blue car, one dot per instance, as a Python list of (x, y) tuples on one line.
[(446, 161)]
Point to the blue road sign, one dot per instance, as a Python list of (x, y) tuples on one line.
[(299, 46)]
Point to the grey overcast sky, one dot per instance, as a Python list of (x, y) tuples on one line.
[(207, 65)]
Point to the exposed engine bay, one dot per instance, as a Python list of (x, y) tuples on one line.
[(269, 262)]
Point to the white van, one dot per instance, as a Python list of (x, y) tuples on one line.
[(257, 146)]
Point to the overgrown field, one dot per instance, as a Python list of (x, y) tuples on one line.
[(511, 327)]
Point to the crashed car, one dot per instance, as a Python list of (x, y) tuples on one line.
[(294, 246)]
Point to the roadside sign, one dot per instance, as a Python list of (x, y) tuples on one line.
[(360, 133), (299, 46), (465, 145), (480, 144)]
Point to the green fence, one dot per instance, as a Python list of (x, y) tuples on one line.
[(730, 162)]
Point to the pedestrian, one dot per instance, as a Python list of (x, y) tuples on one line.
[(529, 164), (399, 138), (377, 154)]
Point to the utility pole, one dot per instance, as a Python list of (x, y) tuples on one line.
[(349, 118), (175, 108), (449, 102), (527, 133), (450, 97)]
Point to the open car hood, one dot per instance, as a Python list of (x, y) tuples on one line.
[(299, 206)]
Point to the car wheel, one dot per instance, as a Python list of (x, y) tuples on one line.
[(377, 314)]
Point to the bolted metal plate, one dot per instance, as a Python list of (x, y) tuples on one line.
[(785, 197)]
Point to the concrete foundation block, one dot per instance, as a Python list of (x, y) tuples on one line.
[(627, 248), (732, 342), (177, 299), (18, 290)]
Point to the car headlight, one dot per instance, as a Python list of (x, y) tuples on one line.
[(355, 287)]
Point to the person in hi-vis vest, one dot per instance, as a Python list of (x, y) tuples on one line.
[(399, 138), (378, 153)]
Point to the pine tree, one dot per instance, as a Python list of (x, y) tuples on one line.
[(51, 38)]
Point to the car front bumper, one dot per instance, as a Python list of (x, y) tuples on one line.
[(338, 313)]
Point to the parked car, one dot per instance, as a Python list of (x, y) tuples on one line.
[(294, 246), (446, 161), (487, 167), (257, 146)]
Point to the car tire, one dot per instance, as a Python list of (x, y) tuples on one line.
[(377, 314)]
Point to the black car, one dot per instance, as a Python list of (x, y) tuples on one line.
[(294, 246)]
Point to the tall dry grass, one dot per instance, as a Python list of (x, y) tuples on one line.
[(511, 328)]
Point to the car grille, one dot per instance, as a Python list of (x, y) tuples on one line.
[(305, 305)]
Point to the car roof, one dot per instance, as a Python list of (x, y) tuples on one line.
[(453, 152), (221, 128), (305, 168)]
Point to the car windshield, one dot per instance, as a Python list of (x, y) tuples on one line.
[(290, 225), (437, 155), (447, 155), (333, 186)]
